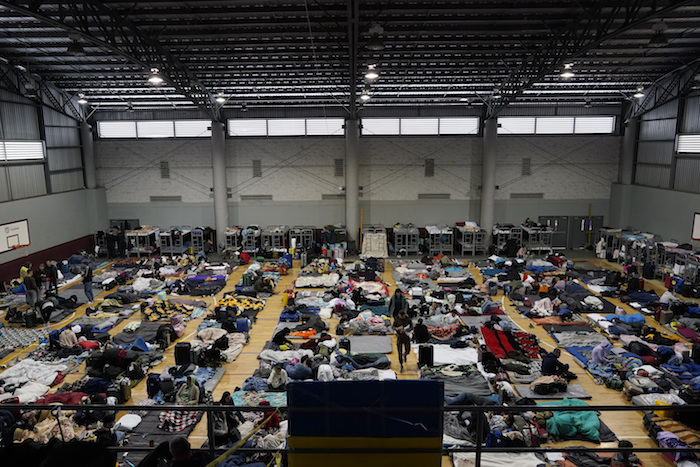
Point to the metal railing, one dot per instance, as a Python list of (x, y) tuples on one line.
[(478, 448)]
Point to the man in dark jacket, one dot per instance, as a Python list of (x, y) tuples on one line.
[(33, 293), (420, 333), (52, 277), (87, 281), (397, 303), (552, 366), (403, 327)]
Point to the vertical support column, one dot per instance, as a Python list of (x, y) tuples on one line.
[(627, 152), (218, 165), (88, 155), (352, 179), (488, 177)]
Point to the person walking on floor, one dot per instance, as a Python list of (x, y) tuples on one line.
[(87, 281), (397, 303), (403, 327), (52, 276), (32, 289)]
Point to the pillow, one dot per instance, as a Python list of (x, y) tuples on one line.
[(129, 421)]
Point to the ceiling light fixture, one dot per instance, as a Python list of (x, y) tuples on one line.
[(364, 97), (155, 77), (659, 38), (220, 98), (81, 99), (244, 107), (75, 49), (588, 104), (639, 94), (376, 43), (496, 93), (371, 74), (567, 73)]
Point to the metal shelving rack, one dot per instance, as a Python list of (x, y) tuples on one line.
[(470, 242), (101, 242), (233, 238), (538, 238), (303, 236), (251, 239), (176, 240), (275, 237), (501, 234), (197, 240), (407, 238), (440, 239), (143, 241)]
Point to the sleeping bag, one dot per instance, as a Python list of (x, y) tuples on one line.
[(567, 424)]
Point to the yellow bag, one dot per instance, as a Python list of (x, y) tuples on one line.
[(663, 413)]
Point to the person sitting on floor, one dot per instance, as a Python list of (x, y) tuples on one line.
[(420, 332), (188, 394), (452, 318), (598, 354), (278, 379), (669, 296), (552, 366), (436, 309), (263, 285), (183, 456), (281, 341)]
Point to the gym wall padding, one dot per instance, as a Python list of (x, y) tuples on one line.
[(346, 416)]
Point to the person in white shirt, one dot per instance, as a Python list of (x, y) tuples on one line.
[(452, 318), (278, 379), (668, 297)]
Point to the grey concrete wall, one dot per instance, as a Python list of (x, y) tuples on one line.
[(663, 212)]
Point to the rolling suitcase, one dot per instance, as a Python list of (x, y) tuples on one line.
[(344, 343), (493, 288), (665, 317), (242, 324), (425, 355), (30, 319), (183, 353)]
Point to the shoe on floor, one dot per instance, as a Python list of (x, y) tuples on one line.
[(401, 371)]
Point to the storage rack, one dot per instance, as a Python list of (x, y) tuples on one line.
[(440, 239), (407, 237), (538, 238), (233, 238), (143, 241), (503, 233), (303, 236), (175, 241), (683, 263), (611, 237), (198, 240), (373, 228), (470, 241), (275, 238), (251, 239), (101, 242)]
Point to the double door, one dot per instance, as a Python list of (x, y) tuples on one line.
[(572, 232)]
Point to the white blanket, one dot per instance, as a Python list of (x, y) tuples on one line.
[(443, 354), (328, 280), (31, 370), (497, 459), (28, 393), (284, 355)]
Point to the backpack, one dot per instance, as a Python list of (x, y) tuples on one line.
[(153, 385)]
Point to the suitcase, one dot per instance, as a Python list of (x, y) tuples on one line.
[(125, 388), (247, 280), (665, 317), (167, 383), (304, 259), (493, 288), (344, 343), (153, 385), (30, 319), (648, 271), (242, 324), (425, 355), (183, 353), (641, 284)]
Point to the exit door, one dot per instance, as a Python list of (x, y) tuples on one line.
[(584, 231), (559, 226)]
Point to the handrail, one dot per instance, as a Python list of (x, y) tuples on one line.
[(477, 449)]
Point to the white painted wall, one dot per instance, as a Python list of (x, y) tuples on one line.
[(571, 171), (56, 219)]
